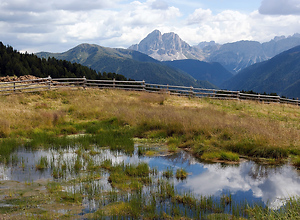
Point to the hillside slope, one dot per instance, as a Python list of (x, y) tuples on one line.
[(14, 63), (212, 72), (280, 74)]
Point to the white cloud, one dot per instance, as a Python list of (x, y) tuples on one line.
[(79, 5), (280, 7), (60, 25), (230, 26), (68, 5), (223, 27), (200, 15), (161, 5)]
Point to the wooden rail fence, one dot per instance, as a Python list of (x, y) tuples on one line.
[(36, 85)]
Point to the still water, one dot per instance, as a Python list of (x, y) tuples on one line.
[(249, 181)]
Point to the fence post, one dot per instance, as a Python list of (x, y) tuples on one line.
[(84, 82), (143, 85), (14, 87), (167, 88), (114, 83), (49, 82), (259, 97), (238, 95), (279, 99), (191, 91)]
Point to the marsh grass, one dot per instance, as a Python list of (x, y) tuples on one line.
[(289, 211), (168, 173), (203, 125), (181, 174), (220, 155), (296, 161), (7, 147), (42, 164), (128, 176)]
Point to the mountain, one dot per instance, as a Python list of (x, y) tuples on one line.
[(168, 46), (237, 56), (233, 56), (281, 75), (14, 63), (212, 72), (132, 64)]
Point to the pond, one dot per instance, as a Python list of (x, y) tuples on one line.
[(255, 183)]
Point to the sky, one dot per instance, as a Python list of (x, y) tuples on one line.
[(59, 25)]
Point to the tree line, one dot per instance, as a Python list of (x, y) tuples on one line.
[(14, 63)]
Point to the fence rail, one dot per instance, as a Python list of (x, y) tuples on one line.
[(36, 85)]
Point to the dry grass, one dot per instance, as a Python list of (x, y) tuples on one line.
[(199, 123)]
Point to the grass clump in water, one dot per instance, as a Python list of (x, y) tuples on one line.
[(181, 174), (128, 176), (168, 173), (42, 164), (221, 156)]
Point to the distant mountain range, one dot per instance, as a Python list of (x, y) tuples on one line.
[(280, 75), (233, 56), (130, 63), (207, 65)]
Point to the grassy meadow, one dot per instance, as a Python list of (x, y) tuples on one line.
[(213, 130), (210, 129)]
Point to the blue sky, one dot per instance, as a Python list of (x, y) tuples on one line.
[(217, 5), (59, 25)]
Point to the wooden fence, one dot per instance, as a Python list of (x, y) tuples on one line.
[(36, 85)]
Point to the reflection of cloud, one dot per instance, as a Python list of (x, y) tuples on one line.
[(4, 172), (271, 188)]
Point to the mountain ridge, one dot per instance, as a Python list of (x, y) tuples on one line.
[(233, 56), (168, 46), (132, 64), (280, 74)]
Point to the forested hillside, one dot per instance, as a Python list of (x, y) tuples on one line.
[(14, 63)]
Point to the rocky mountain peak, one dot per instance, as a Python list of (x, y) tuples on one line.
[(168, 46)]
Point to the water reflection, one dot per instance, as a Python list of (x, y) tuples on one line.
[(247, 180), (250, 181)]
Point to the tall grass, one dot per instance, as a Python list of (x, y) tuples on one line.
[(203, 125)]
